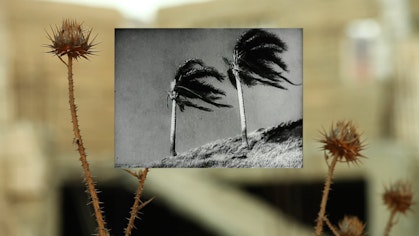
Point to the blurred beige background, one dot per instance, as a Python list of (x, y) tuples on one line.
[(361, 63)]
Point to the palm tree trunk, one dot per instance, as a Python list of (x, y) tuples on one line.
[(241, 109), (173, 130)]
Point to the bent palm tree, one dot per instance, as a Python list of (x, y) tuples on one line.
[(188, 84), (255, 61)]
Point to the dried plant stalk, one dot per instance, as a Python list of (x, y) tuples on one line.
[(390, 223), (331, 227), (82, 151), (138, 205), (73, 41), (325, 196)]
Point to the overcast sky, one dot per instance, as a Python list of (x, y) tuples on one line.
[(138, 9), (145, 63)]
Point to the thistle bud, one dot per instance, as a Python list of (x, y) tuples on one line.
[(343, 142), (351, 226), (71, 39)]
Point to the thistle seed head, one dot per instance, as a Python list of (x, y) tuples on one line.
[(399, 196), (343, 142), (351, 226), (71, 39)]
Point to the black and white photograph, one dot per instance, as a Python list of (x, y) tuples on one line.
[(209, 98)]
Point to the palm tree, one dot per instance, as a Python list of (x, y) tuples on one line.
[(256, 60), (187, 85)]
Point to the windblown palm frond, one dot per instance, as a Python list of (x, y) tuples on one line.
[(189, 85), (256, 59)]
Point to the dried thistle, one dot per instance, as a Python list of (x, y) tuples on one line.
[(344, 144), (71, 39), (351, 226), (399, 199)]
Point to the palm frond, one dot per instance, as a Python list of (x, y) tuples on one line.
[(167, 100), (181, 102), (198, 95), (230, 74), (231, 77), (201, 88), (245, 37), (202, 73), (187, 66), (270, 83), (214, 97), (220, 104), (257, 56), (272, 47), (265, 54), (190, 84), (247, 78), (188, 93), (250, 78), (258, 38), (288, 81), (261, 68), (180, 105)]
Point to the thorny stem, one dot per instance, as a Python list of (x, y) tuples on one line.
[(330, 225), (138, 205), (83, 157), (390, 223), (326, 190)]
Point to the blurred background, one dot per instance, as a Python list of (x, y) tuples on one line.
[(361, 63)]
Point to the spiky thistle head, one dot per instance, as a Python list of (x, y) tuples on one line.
[(351, 226), (71, 39), (399, 196), (343, 142)]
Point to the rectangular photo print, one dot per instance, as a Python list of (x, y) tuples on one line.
[(209, 98)]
